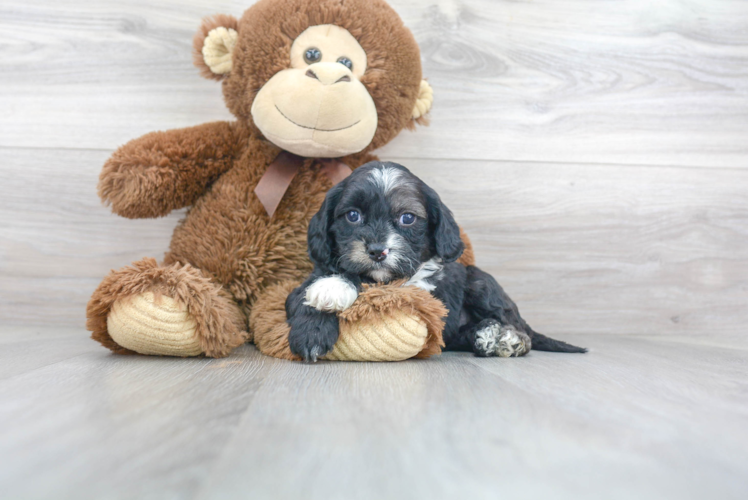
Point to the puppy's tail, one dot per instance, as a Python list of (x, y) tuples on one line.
[(542, 343)]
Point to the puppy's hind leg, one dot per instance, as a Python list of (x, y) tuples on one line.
[(491, 338), (484, 298)]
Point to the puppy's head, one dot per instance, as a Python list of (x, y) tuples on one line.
[(382, 222)]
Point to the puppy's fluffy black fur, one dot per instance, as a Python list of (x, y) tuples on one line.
[(383, 223)]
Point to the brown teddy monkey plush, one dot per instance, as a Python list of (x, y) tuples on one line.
[(315, 87)]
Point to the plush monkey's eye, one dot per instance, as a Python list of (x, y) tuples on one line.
[(407, 219), (346, 62), (312, 55), (353, 216)]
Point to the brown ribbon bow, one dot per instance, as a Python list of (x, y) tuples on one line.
[(276, 179)]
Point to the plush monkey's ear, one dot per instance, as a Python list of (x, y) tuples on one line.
[(213, 45), (423, 103)]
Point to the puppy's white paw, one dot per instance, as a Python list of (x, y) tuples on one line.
[(512, 343), (503, 341), (487, 339), (331, 294)]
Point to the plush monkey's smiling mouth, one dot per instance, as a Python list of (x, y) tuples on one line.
[(314, 128)]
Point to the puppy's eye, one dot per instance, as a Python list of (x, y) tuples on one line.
[(346, 62), (312, 55), (407, 219), (353, 216)]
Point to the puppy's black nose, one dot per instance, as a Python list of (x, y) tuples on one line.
[(377, 252)]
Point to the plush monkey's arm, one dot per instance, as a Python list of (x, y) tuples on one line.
[(162, 171)]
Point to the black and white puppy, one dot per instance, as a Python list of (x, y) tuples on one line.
[(383, 223)]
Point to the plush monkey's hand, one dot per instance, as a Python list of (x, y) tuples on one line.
[(163, 171)]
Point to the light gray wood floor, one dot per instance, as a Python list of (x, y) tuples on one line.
[(637, 417)]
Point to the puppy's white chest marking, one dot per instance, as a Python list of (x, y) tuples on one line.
[(331, 294), (427, 273)]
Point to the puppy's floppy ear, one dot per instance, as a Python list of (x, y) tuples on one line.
[(319, 240), (443, 228)]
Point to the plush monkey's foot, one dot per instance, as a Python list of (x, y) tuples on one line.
[(167, 311), (153, 325), (385, 323), (492, 339)]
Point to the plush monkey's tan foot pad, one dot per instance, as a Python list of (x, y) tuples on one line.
[(386, 323), (393, 337), (153, 326), (390, 323)]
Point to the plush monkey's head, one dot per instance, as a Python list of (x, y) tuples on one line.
[(322, 78)]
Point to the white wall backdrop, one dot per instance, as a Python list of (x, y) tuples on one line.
[(596, 152)]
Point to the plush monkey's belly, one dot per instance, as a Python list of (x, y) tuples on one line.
[(228, 235)]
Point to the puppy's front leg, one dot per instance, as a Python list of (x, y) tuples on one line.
[(312, 310), (313, 333)]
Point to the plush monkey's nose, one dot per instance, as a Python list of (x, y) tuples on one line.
[(377, 252), (329, 73)]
